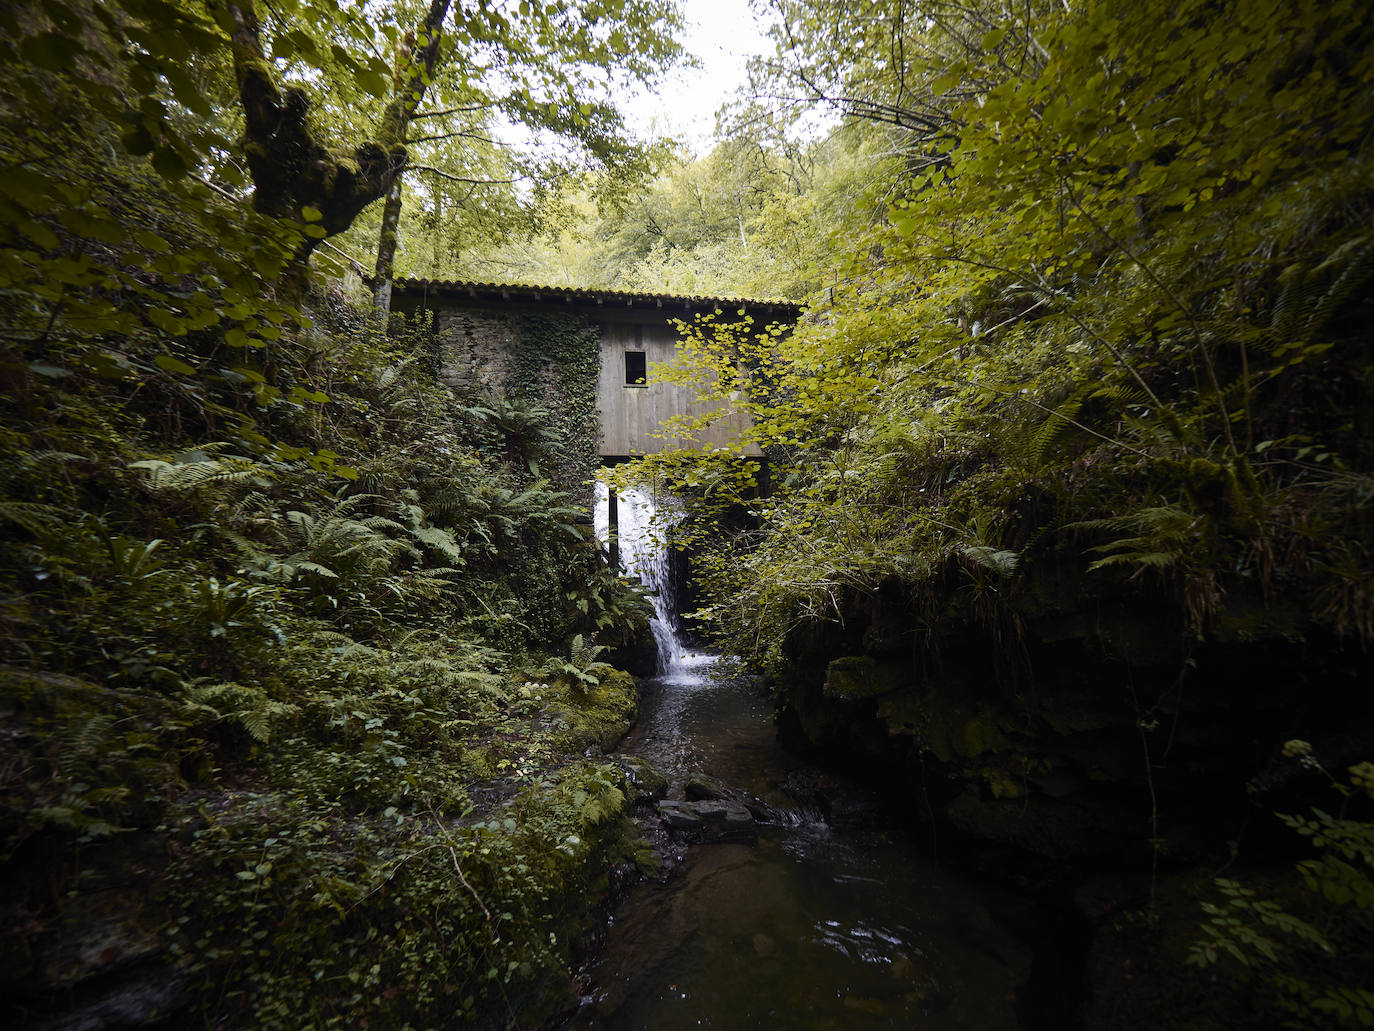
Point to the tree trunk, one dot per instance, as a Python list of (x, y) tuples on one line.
[(386, 249), (292, 170)]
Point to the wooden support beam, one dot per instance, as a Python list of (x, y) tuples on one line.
[(613, 529)]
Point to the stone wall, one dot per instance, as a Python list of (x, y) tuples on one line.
[(475, 348)]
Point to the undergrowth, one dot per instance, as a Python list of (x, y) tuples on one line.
[(317, 659)]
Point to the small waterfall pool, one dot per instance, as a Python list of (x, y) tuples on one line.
[(813, 927)]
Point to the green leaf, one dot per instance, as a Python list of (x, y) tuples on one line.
[(170, 364), (48, 371), (151, 241)]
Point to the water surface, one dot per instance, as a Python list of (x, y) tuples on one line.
[(811, 928)]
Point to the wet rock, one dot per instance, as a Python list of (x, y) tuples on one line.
[(102, 966), (149, 998), (647, 782), (639, 658), (838, 802), (762, 812), (700, 787), (709, 820), (680, 816)]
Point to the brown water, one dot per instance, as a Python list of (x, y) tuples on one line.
[(812, 927)]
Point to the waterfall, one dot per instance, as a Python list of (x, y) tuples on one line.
[(642, 529)]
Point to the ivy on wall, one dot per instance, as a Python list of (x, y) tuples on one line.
[(557, 362)]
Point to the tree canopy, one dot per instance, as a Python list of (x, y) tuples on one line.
[(1119, 289)]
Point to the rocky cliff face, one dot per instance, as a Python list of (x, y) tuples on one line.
[(1085, 726)]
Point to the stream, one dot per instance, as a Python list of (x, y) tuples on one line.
[(814, 926)]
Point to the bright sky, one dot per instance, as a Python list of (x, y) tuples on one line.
[(723, 34)]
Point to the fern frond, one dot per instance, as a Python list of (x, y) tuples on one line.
[(441, 542), (1155, 559), (1052, 428), (249, 706), (1311, 297), (40, 459), (1349, 267), (1159, 537), (1000, 561), (39, 520), (190, 474)]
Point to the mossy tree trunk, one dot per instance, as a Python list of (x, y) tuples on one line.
[(386, 249), (296, 177)]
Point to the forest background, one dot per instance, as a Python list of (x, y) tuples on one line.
[(298, 645)]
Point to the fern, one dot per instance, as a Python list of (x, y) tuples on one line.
[(248, 706), (43, 521), (193, 470), (1052, 429), (998, 560), (1310, 298), (1160, 537)]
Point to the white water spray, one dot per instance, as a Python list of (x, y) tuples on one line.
[(643, 528)]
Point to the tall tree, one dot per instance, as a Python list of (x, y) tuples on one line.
[(295, 174), (545, 69), (544, 90)]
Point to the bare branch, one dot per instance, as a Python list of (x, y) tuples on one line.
[(464, 179), (452, 111), (451, 135)]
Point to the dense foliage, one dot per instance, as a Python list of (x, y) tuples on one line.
[(1125, 304), (298, 674), (296, 683)]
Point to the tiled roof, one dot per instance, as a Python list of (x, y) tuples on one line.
[(528, 292)]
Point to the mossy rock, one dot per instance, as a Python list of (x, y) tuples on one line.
[(1001, 785), (905, 713), (701, 787), (646, 781), (29, 693), (596, 715), (1247, 620), (1058, 830), (981, 733), (1142, 637), (854, 677), (953, 733)]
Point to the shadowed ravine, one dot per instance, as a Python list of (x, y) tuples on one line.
[(814, 927)]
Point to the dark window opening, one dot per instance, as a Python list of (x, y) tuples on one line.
[(635, 369)]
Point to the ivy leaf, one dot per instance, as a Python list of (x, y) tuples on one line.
[(169, 364)]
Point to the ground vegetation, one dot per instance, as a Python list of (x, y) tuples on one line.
[(299, 721)]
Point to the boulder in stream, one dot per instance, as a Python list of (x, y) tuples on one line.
[(647, 782), (700, 787), (708, 821)]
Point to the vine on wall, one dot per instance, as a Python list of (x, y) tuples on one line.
[(557, 362)]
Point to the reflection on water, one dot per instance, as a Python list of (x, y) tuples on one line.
[(811, 928)]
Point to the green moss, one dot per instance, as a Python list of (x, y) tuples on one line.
[(1001, 785), (853, 677), (595, 714), (982, 734), (646, 781), (557, 364), (1245, 620), (905, 713)]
